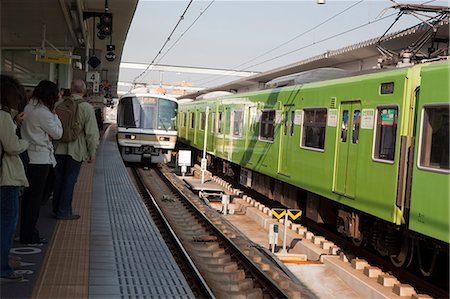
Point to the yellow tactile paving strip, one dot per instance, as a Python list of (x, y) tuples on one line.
[(65, 271)]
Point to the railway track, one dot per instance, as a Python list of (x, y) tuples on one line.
[(219, 262)]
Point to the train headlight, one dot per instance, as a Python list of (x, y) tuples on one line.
[(164, 139), (132, 137)]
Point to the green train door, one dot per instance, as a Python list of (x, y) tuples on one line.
[(347, 149), (286, 139)]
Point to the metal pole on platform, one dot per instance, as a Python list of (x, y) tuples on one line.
[(284, 251), (203, 163)]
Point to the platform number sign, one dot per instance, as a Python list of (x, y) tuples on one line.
[(94, 77)]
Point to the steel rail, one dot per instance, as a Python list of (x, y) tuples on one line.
[(265, 280), (193, 270)]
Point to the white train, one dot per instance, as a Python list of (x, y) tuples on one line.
[(147, 127)]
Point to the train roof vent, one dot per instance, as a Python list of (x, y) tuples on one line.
[(315, 75), (213, 95)]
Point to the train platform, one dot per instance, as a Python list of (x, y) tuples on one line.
[(113, 251)]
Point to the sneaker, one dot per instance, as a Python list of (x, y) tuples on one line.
[(70, 217), (13, 276)]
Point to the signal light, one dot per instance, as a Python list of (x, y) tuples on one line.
[(104, 26)]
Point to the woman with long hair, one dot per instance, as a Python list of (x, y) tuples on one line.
[(40, 127), (12, 173)]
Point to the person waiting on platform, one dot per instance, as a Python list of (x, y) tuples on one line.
[(71, 154), (40, 127), (12, 172)]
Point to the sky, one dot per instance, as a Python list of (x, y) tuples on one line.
[(237, 35)]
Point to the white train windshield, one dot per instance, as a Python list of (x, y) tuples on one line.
[(147, 113)]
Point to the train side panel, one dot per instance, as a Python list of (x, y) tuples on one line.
[(429, 213), (361, 160)]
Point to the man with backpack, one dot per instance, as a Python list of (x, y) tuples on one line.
[(79, 143)]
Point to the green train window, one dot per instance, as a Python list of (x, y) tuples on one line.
[(286, 119), (192, 123), (213, 122), (220, 122), (355, 128), (314, 127), (434, 143), (184, 119), (386, 133), (344, 127), (237, 123), (202, 121), (292, 122), (267, 129)]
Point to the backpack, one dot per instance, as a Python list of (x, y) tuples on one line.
[(67, 112)]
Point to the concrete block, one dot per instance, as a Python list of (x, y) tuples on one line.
[(372, 272), (403, 290), (333, 250), (387, 280), (308, 235), (294, 227), (317, 239), (326, 244), (359, 264), (301, 230)]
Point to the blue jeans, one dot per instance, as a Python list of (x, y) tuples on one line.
[(9, 198), (66, 175)]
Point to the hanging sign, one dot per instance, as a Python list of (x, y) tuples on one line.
[(61, 57)]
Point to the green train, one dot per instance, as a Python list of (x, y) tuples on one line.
[(368, 153)]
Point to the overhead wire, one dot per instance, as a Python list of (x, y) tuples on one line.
[(295, 37), (190, 26), (311, 44), (165, 43), (305, 32), (301, 34), (322, 40)]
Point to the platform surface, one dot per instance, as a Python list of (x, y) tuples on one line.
[(113, 251)]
